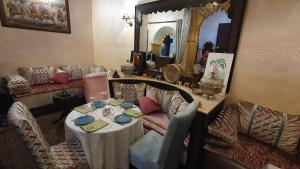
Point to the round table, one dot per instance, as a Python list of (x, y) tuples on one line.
[(107, 148)]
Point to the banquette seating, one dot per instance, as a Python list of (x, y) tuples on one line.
[(158, 120)]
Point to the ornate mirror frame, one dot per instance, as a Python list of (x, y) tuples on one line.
[(204, 8)]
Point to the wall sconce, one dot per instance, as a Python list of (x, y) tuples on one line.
[(127, 19)]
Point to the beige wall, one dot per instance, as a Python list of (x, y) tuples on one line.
[(113, 40), (267, 69), (20, 47)]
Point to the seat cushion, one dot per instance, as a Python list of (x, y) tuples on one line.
[(144, 153), (160, 119), (254, 154), (69, 155), (151, 126)]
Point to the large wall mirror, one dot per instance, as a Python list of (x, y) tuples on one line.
[(186, 31)]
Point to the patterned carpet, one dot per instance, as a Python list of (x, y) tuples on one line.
[(13, 153)]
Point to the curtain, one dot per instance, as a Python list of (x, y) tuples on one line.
[(178, 36), (182, 41)]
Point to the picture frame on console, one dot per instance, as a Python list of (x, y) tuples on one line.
[(51, 16)]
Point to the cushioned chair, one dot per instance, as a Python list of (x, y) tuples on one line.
[(96, 86), (154, 151), (64, 155)]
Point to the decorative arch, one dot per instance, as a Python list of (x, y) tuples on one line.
[(199, 14)]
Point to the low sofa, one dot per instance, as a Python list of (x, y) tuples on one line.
[(252, 136), (36, 86)]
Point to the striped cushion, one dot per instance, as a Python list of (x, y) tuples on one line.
[(269, 126), (130, 92), (74, 70), (175, 103), (226, 125), (155, 94)]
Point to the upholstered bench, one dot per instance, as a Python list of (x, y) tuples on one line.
[(157, 91), (253, 136)]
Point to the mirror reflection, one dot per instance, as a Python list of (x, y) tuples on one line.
[(164, 36), (213, 36)]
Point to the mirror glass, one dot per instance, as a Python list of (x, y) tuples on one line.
[(160, 35), (213, 36)]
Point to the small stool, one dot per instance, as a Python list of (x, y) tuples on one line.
[(66, 102)]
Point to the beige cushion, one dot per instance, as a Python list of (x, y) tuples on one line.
[(166, 100), (269, 126)]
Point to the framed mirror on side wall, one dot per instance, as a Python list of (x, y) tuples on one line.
[(186, 32)]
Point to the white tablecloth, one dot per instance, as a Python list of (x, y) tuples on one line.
[(107, 148)]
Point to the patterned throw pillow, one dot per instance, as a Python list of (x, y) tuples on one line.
[(37, 75), (40, 75), (85, 69), (74, 70), (16, 81), (269, 126), (226, 125), (130, 92), (96, 68), (175, 103), (26, 73), (166, 100), (154, 93)]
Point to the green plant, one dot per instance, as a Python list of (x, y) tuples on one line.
[(219, 62)]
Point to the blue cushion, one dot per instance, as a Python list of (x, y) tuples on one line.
[(144, 153)]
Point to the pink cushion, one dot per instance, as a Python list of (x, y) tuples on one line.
[(147, 105), (96, 86), (151, 126), (61, 77), (160, 119)]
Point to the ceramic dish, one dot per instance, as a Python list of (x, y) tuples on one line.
[(126, 105), (123, 119), (83, 120), (98, 104)]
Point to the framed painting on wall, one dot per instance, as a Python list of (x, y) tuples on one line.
[(220, 64), (43, 15)]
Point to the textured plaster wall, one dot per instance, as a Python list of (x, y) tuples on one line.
[(21, 47), (113, 39), (267, 68)]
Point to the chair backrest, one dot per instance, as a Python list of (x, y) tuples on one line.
[(172, 146), (26, 125), (96, 85)]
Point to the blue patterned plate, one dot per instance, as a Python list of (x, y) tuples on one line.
[(98, 104), (126, 105), (122, 119), (83, 120)]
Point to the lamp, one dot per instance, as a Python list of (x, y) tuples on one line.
[(127, 19)]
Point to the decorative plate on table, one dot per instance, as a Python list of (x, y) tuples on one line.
[(126, 105), (98, 104), (83, 120), (123, 119)]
